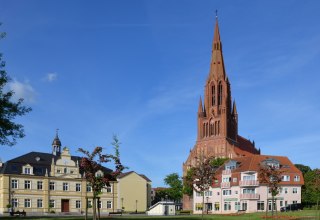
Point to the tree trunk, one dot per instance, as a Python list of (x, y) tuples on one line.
[(94, 215), (98, 208), (202, 205), (272, 203)]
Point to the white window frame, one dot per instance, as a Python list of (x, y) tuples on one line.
[(78, 187), (65, 186), (78, 204), (109, 204), (14, 184), (52, 203), (27, 184), (14, 203), (27, 203), (52, 185), (39, 185), (39, 203)]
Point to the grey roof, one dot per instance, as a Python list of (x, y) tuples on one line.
[(39, 161), (127, 173)]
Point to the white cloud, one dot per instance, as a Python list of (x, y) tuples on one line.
[(50, 77), (22, 90)]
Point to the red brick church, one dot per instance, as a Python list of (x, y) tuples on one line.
[(217, 117)]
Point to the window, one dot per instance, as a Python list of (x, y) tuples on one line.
[(14, 184), (219, 93), (285, 190), (14, 203), (270, 205), (249, 177), (260, 205), (51, 185), (39, 185), (65, 170), (27, 203), (280, 190), (226, 192), (88, 188), (58, 171), (248, 191), (294, 190), (198, 194), (216, 206), (78, 204), (89, 204), (100, 204), (78, 187), (235, 180), (109, 189), (244, 205), (52, 203), (237, 205), (39, 203), (208, 193), (218, 193), (226, 179), (27, 170), (281, 203), (109, 205), (198, 206), (296, 178), (294, 202), (285, 203), (65, 186), (285, 178), (227, 206), (236, 192), (27, 184)]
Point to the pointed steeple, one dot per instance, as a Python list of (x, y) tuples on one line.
[(217, 65), (56, 145), (200, 108), (234, 109)]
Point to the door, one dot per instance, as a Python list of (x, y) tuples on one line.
[(64, 205)]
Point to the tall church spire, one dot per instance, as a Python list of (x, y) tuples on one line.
[(217, 69)]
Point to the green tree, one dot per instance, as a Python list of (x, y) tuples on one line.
[(203, 175), (91, 163), (271, 176), (303, 168), (174, 182), (10, 131), (218, 162), (187, 182)]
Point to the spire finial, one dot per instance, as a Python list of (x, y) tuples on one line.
[(216, 14), (57, 132)]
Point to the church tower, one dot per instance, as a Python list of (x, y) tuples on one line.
[(56, 145), (217, 117)]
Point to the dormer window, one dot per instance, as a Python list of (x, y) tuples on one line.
[(65, 170), (27, 169), (231, 165), (272, 163), (99, 173)]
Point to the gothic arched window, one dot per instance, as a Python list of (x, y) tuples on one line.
[(213, 95), (220, 93)]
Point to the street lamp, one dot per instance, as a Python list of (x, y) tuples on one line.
[(136, 206), (207, 205), (121, 204)]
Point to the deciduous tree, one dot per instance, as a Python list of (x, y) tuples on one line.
[(91, 163), (10, 131)]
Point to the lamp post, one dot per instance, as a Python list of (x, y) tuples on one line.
[(122, 204), (136, 206)]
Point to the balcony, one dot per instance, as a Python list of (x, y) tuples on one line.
[(226, 172), (244, 183), (250, 196), (225, 185)]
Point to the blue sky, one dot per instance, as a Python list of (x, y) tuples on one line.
[(137, 69)]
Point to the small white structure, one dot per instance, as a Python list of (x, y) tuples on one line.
[(162, 208)]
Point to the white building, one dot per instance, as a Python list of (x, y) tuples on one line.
[(237, 186)]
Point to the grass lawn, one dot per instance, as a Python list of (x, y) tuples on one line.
[(299, 215)]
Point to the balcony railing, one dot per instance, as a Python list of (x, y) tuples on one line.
[(249, 183), (250, 196), (226, 172), (225, 185)]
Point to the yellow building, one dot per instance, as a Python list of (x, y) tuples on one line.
[(134, 192), (41, 182)]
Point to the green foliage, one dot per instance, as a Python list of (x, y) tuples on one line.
[(218, 162), (303, 168), (9, 110), (311, 192), (175, 183), (187, 182)]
